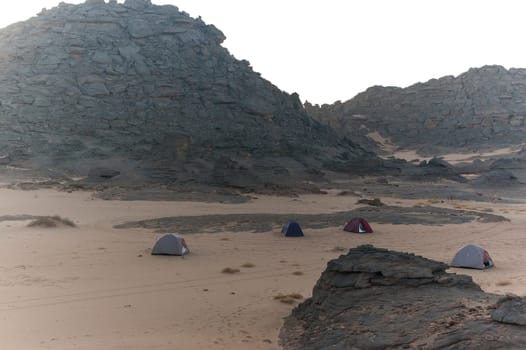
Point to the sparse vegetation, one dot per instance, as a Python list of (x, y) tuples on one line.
[(248, 265), (289, 298), (297, 273), (338, 248), (51, 222), (230, 270), (296, 296), (503, 283), (286, 300)]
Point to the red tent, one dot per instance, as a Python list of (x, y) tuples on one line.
[(358, 225)]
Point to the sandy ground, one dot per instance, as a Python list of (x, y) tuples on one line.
[(95, 287)]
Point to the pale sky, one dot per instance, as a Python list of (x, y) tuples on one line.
[(328, 50)]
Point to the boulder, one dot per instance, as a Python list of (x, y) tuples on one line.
[(373, 298)]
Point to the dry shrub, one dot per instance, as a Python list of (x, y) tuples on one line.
[(338, 248), (289, 298), (286, 300), (230, 270), (51, 222), (297, 273), (248, 265), (296, 296), (503, 283)]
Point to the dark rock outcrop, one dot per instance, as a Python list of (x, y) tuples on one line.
[(482, 109), (507, 171), (373, 298), (433, 169), (267, 222), (150, 93)]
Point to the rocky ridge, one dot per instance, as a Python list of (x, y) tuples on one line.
[(140, 93), (373, 298), (481, 109)]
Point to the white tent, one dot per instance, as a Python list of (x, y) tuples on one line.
[(472, 256)]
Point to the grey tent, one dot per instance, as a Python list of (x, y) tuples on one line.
[(472, 256), (170, 244)]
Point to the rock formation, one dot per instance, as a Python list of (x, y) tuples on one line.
[(148, 94), (482, 109), (373, 298)]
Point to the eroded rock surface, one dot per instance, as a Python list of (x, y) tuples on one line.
[(510, 309), (373, 298)]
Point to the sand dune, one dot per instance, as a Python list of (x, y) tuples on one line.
[(94, 287)]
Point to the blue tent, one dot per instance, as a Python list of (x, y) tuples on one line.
[(170, 244), (292, 229)]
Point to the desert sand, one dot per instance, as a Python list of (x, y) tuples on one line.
[(97, 287)]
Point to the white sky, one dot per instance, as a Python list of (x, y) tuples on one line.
[(328, 50)]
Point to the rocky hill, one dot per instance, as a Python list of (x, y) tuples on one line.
[(137, 93), (373, 298), (482, 109)]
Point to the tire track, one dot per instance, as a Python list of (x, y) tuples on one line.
[(31, 303)]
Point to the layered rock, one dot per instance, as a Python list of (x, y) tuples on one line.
[(373, 298), (150, 95), (482, 109)]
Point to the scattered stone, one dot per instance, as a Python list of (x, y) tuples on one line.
[(102, 173)]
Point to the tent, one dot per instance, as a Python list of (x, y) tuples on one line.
[(472, 256), (170, 244), (358, 225), (292, 229)]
